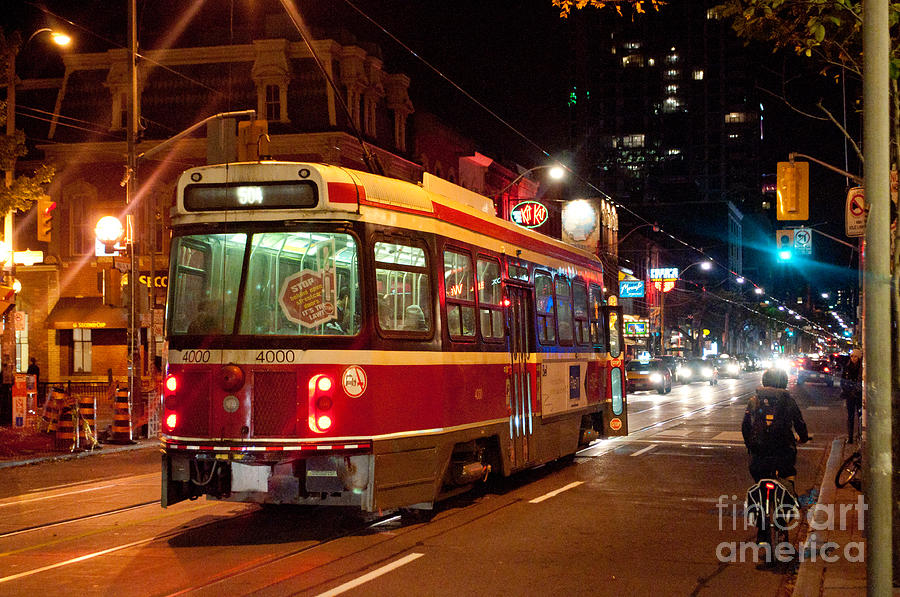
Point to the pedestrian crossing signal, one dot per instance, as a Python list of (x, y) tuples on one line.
[(45, 209)]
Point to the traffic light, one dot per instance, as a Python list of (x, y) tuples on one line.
[(784, 240), (793, 191), (45, 208)]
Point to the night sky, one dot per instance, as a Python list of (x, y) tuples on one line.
[(513, 57)]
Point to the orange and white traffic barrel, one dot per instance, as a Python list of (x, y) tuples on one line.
[(65, 430), (121, 424)]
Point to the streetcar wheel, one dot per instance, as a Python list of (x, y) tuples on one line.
[(415, 515)]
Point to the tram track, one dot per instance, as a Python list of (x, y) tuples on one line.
[(76, 519)]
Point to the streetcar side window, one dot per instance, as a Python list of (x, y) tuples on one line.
[(595, 301), (207, 273), (403, 286), (564, 309), (489, 299), (546, 309), (302, 284), (459, 294), (580, 306), (518, 272)]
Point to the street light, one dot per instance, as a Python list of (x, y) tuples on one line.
[(109, 231), (556, 173)]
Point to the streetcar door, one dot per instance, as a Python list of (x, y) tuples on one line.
[(519, 322)]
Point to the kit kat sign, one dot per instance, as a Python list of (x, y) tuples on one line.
[(529, 214)]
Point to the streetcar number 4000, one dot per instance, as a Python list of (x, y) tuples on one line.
[(275, 356)]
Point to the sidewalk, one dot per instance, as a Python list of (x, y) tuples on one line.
[(840, 569), (19, 447)]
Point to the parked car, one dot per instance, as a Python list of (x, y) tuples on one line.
[(728, 367), (702, 370), (820, 370), (648, 375)]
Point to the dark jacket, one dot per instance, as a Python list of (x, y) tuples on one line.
[(851, 377), (787, 418)]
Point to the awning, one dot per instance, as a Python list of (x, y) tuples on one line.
[(86, 312)]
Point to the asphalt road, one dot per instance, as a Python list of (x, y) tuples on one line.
[(647, 514)]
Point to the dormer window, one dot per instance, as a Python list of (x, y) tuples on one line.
[(273, 103)]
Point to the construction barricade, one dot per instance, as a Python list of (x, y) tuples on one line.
[(87, 424), (65, 430), (121, 425)]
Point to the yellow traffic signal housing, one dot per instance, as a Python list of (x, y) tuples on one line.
[(253, 140), (45, 208), (793, 191), (784, 239)]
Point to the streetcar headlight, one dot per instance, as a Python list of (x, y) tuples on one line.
[(655, 377)]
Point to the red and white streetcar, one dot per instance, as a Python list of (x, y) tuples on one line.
[(341, 338)]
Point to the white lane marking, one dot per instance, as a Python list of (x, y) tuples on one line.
[(371, 575), (55, 495), (555, 492), (74, 560), (678, 432), (642, 450)]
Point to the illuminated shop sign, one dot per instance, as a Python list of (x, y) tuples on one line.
[(529, 214)]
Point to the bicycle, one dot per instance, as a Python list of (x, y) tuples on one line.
[(774, 510), (850, 472)]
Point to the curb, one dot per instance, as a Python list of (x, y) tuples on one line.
[(809, 577), (106, 449)]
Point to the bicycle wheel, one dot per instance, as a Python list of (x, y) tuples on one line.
[(849, 471)]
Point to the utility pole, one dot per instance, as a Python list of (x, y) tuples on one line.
[(134, 330), (877, 340)]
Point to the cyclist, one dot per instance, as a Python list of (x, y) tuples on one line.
[(768, 427)]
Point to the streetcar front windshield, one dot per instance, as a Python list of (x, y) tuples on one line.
[(295, 284)]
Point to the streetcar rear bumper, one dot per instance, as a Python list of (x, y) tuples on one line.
[(306, 474)]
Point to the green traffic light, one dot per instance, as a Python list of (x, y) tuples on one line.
[(785, 255)]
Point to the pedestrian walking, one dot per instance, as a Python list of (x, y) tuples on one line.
[(33, 369), (851, 391)]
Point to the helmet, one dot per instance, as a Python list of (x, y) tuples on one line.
[(775, 378)]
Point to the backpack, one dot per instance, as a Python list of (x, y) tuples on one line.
[(762, 419)]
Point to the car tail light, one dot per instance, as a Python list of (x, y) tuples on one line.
[(827, 370), (320, 403)]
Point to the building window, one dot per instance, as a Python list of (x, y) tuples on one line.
[(273, 103), (671, 58), (633, 141), (672, 73), (633, 60), (735, 117), (671, 89), (632, 45), (22, 343), (698, 75), (672, 104), (81, 350), (673, 152)]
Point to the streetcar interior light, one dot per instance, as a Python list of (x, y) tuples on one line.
[(171, 383), (324, 383), (323, 422), (171, 421)]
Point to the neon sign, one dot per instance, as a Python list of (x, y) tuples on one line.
[(529, 214), (664, 278)]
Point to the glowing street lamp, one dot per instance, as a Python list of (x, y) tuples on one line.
[(109, 231), (556, 173)]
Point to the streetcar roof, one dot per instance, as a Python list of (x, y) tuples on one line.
[(353, 195)]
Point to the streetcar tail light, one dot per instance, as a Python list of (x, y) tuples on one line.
[(171, 384), (770, 485), (320, 402), (506, 302), (171, 421)]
